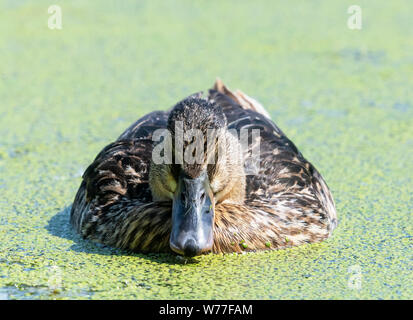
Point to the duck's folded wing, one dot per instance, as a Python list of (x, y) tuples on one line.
[(282, 176), (120, 171)]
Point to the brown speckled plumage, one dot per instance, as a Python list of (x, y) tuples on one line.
[(286, 204)]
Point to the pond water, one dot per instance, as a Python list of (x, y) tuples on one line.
[(343, 96)]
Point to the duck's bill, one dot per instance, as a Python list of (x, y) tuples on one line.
[(192, 217)]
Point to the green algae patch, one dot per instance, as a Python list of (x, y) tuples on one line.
[(343, 97)]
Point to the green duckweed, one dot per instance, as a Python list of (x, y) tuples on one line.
[(342, 96)]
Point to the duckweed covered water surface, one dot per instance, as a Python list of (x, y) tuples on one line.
[(344, 97)]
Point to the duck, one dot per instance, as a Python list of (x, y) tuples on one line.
[(150, 192)]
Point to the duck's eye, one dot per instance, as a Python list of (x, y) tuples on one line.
[(202, 197)]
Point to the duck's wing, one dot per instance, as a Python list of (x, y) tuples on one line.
[(284, 184), (114, 200), (114, 206), (119, 172), (121, 169)]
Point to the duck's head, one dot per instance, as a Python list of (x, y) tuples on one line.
[(205, 168)]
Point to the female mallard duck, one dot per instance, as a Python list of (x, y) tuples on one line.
[(130, 201)]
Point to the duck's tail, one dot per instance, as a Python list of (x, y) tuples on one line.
[(245, 101)]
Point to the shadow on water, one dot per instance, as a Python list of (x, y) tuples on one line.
[(59, 226)]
